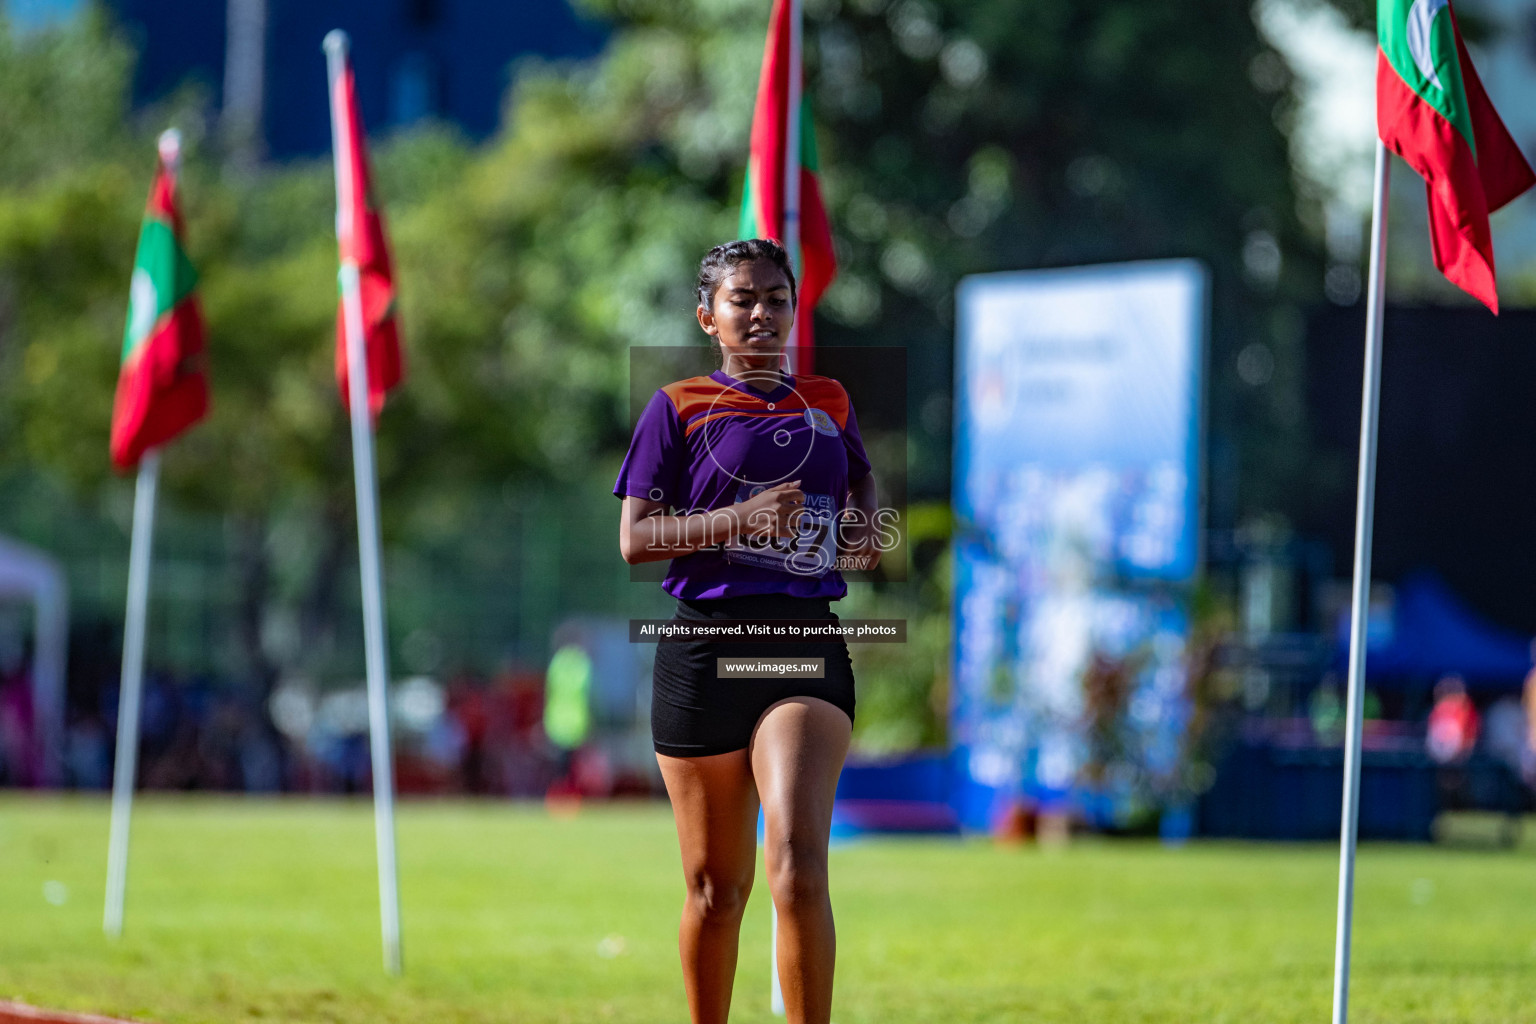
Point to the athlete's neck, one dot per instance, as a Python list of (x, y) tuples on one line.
[(763, 379)]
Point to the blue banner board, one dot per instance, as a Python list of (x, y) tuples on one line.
[(1077, 504)]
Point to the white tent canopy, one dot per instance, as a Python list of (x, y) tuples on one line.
[(28, 574)]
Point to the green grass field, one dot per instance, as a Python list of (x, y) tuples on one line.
[(267, 910)]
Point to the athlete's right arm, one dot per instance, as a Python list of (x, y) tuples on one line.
[(648, 534)]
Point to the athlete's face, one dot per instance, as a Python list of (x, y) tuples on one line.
[(751, 317)]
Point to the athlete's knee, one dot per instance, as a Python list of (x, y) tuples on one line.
[(717, 898), (797, 871)]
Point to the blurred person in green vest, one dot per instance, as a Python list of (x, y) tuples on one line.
[(567, 706)]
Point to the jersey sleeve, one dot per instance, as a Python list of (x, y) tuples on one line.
[(858, 461), (654, 466)]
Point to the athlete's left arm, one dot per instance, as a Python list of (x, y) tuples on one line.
[(858, 537)]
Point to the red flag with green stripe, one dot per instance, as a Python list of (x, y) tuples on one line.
[(363, 245), (762, 201), (161, 388), (1431, 110)]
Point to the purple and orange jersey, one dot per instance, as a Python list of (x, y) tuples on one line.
[(709, 442)]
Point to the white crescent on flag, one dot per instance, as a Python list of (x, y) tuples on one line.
[(143, 305), (1421, 16)]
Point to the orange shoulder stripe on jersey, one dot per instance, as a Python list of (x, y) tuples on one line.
[(700, 394), (826, 394)]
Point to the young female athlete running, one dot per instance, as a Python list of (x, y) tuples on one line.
[(762, 470)]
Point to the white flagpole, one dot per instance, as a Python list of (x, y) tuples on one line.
[(126, 768), (377, 655), (128, 694), (792, 130), (1359, 610), (792, 245)]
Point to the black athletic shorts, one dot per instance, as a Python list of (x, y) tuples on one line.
[(695, 712)]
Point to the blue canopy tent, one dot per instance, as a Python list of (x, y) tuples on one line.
[(1433, 633)]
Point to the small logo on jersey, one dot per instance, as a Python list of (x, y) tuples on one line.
[(821, 422)]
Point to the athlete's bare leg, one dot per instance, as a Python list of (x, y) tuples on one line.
[(797, 752), (715, 805)]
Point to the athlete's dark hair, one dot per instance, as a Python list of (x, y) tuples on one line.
[(722, 259)]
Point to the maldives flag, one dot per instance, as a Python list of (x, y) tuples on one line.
[(762, 201), (360, 237), (161, 388), (1431, 110)]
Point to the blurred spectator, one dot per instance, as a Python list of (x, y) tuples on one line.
[(446, 746), (21, 756), (567, 697), (1504, 735), (592, 772), (1453, 722), (87, 754), (1325, 710), (470, 719), (260, 755), (522, 759), (1504, 732)]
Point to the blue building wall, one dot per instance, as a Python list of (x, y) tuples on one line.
[(177, 41), (448, 58)]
